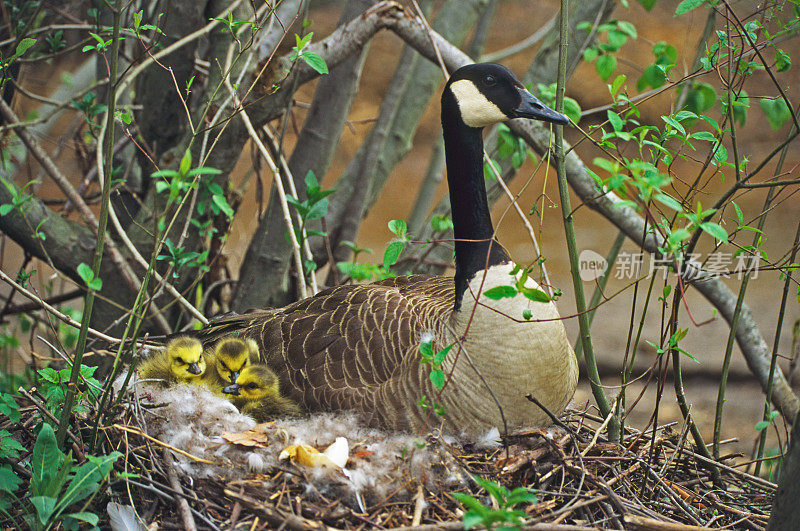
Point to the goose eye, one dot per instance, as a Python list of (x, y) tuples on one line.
[(180, 360), (489, 81), (250, 386), (224, 365)]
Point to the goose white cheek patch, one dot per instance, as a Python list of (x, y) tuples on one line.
[(476, 110)]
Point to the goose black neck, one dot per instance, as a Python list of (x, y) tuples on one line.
[(475, 247)]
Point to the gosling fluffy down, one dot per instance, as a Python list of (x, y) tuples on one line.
[(181, 361), (256, 392), (226, 361)]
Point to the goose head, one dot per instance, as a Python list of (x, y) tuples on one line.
[(488, 93), (256, 382), (186, 360), (231, 355)]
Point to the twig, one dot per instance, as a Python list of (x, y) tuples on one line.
[(287, 216), (57, 314), (160, 443), (183, 505), (522, 45)]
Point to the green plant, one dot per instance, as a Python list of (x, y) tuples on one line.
[(434, 359), (19, 199), (53, 385), (21, 48), (179, 257), (390, 256), (506, 514), (312, 59), (57, 485), (315, 206), (87, 275)]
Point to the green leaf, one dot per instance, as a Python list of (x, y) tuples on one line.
[(45, 505), (440, 356), (9, 407), (527, 314), (398, 227), (715, 230), (688, 5), (669, 201), (762, 425), (392, 253), (500, 292), (617, 84), (700, 97), (87, 275), (590, 54), (573, 111), (739, 214), (318, 210), (88, 478), (648, 4), (617, 38), (783, 60), (536, 295), (739, 107), (471, 519), (470, 503), (23, 46), (223, 205), (653, 76), (605, 65), (186, 163), (9, 446), (627, 28), (5, 209), (90, 518), (437, 378), (315, 61), (45, 460), (9, 481), (776, 111), (615, 120), (441, 222), (202, 171), (704, 135)]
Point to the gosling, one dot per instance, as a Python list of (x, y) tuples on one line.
[(181, 361), (256, 392), (227, 360)]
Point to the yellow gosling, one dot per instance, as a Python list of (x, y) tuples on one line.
[(180, 362), (227, 360), (257, 393)]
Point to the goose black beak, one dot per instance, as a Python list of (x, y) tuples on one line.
[(194, 368), (234, 376), (531, 107), (232, 389)]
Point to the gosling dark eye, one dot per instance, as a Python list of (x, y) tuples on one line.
[(489, 81), (180, 360), (250, 386), (224, 366)]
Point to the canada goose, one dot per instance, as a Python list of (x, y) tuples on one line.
[(181, 361), (357, 346), (226, 361), (256, 392)]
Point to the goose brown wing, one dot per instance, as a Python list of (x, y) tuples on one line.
[(343, 348)]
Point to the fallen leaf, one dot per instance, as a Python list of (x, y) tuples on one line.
[(254, 437)]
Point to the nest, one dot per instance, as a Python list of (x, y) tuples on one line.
[(580, 480)]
